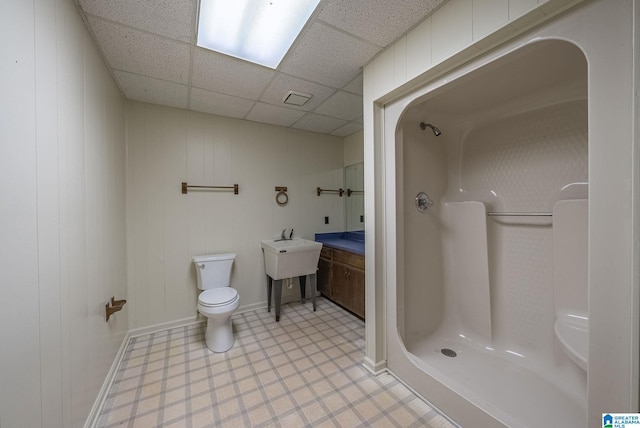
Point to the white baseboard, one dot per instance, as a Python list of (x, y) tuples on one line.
[(423, 398), (94, 414), (375, 368), (251, 307), (141, 331)]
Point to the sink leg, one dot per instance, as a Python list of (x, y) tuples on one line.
[(278, 297), (303, 287), (269, 287), (313, 285)]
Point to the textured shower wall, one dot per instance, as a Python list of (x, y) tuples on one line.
[(421, 293), (521, 164)]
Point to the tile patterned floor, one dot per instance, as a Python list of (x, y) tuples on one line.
[(305, 370)]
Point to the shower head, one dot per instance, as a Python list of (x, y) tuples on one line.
[(435, 130)]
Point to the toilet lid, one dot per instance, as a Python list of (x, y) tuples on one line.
[(218, 296)]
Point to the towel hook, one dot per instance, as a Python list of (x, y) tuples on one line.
[(281, 197)]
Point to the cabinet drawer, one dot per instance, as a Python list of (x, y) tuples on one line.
[(348, 258), (325, 252)]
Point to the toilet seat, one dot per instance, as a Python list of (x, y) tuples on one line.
[(216, 297)]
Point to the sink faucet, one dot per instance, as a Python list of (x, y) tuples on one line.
[(283, 236)]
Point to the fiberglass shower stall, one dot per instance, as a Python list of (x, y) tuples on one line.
[(513, 299), (493, 301)]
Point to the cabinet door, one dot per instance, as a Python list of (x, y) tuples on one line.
[(356, 283), (340, 290), (324, 277)]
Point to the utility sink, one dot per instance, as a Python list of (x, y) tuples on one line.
[(289, 258)]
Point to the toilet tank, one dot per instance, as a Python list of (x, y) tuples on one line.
[(214, 270)]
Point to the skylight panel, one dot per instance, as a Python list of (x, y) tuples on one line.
[(260, 31)]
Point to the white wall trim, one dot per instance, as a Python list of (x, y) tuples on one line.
[(94, 414), (141, 331), (376, 368), (252, 307), (422, 397)]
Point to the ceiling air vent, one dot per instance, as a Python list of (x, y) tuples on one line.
[(296, 98)]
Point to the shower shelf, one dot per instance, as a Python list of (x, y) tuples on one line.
[(573, 334)]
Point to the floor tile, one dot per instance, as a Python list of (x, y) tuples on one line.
[(305, 370)]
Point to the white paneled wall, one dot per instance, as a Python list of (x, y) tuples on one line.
[(62, 169), (457, 26), (167, 146), (354, 148)]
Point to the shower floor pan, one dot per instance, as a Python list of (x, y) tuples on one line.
[(509, 392)]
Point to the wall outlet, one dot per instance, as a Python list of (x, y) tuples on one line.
[(326, 220)]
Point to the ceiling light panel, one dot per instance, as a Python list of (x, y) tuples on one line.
[(260, 31)]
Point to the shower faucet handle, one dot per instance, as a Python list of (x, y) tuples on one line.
[(423, 202)]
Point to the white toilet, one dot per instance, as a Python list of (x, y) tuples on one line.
[(217, 301)]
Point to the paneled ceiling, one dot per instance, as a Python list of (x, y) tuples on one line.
[(150, 46)]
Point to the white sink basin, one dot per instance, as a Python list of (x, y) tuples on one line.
[(290, 258)]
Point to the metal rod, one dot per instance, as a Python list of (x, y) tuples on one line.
[(338, 191), (512, 214), (186, 186)]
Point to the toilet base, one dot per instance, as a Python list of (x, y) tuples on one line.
[(219, 334)]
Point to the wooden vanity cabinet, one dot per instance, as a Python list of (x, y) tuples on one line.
[(341, 278), (324, 273)]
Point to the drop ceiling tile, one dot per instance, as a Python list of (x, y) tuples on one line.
[(150, 90), (347, 130), (328, 56), (375, 20), (219, 104), (268, 113), (142, 53), (355, 85), (284, 83), (342, 105), (149, 46), (318, 123), (228, 75), (169, 18)]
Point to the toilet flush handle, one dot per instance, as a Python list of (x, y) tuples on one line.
[(201, 266)]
